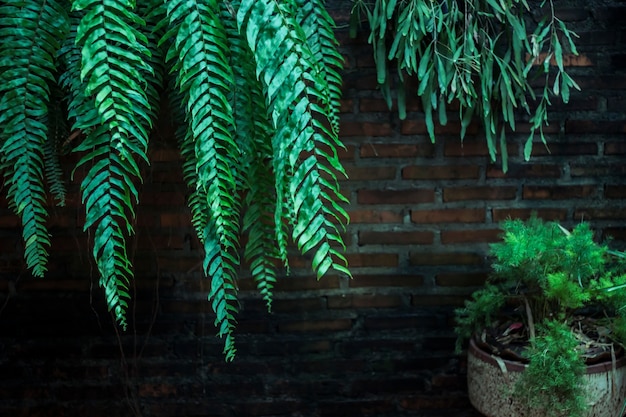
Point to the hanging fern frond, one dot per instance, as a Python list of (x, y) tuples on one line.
[(154, 14), (253, 135), (287, 68), (81, 108), (30, 32), (205, 80), (57, 133), (112, 68), (253, 88), (318, 28)]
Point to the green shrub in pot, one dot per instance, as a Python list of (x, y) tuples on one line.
[(554, 300)]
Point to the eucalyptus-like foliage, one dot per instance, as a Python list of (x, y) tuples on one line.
[(483, 54), (253, 87)]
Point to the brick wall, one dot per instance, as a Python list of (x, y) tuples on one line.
[(379, 345)]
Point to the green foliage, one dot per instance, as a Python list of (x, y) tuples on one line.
[(254, 90), (551, 380), (546, 275), (555, 270), (478, 313), (481, 54), (30, 33)]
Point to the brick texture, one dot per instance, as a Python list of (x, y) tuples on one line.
[(379, 344)]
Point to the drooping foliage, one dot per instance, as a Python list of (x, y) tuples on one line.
[(254, 88), (484, 55)]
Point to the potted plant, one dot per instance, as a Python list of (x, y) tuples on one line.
[(547, 330)]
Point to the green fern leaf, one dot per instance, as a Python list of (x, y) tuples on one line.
[(318, 29), (57, 132), (112, 71), (154, 13), (253, 136), (286, 66), (30, 31), (205, 81)]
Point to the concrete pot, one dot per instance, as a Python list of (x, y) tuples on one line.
[(490, 379)]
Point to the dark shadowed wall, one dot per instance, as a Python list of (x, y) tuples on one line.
[(379, 345)]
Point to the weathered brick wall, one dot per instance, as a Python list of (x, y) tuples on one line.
[(380, 344)]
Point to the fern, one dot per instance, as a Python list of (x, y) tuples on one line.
[(254, 90), (286, 66), (318, 28), (57, 132), (29, 38), (204, 79), (253, 135), (112, 67)]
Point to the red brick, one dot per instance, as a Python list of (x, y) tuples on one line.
[(600, 214), (525, 128), (175, 219), (564, 149), (426, 402), (540, 192), (588, 170), (347, 129), (461, 280), (432, 300), (367, 105), (372, 259), (346, 105), (390, 280), (303, 283), (456, 148), (157, 390), (315, 325), (594, 126), (569, 60), (448, 216), (572, 14), (440, 172), (449, 381), (615, 191), (401, 196), (478, 193), (365, 301), (392, 322), (501, 214), (418, 127), (444, 259), (165, 155), (294, 305), (371, 173), (615, 148), (396, 150), (360, 407), (375, 216), (531, 170), (576, 103), (345, 153), (470, 236), (163, 198), (395, 238), (361, 82)]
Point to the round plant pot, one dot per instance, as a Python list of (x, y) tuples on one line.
[(491, 380)]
